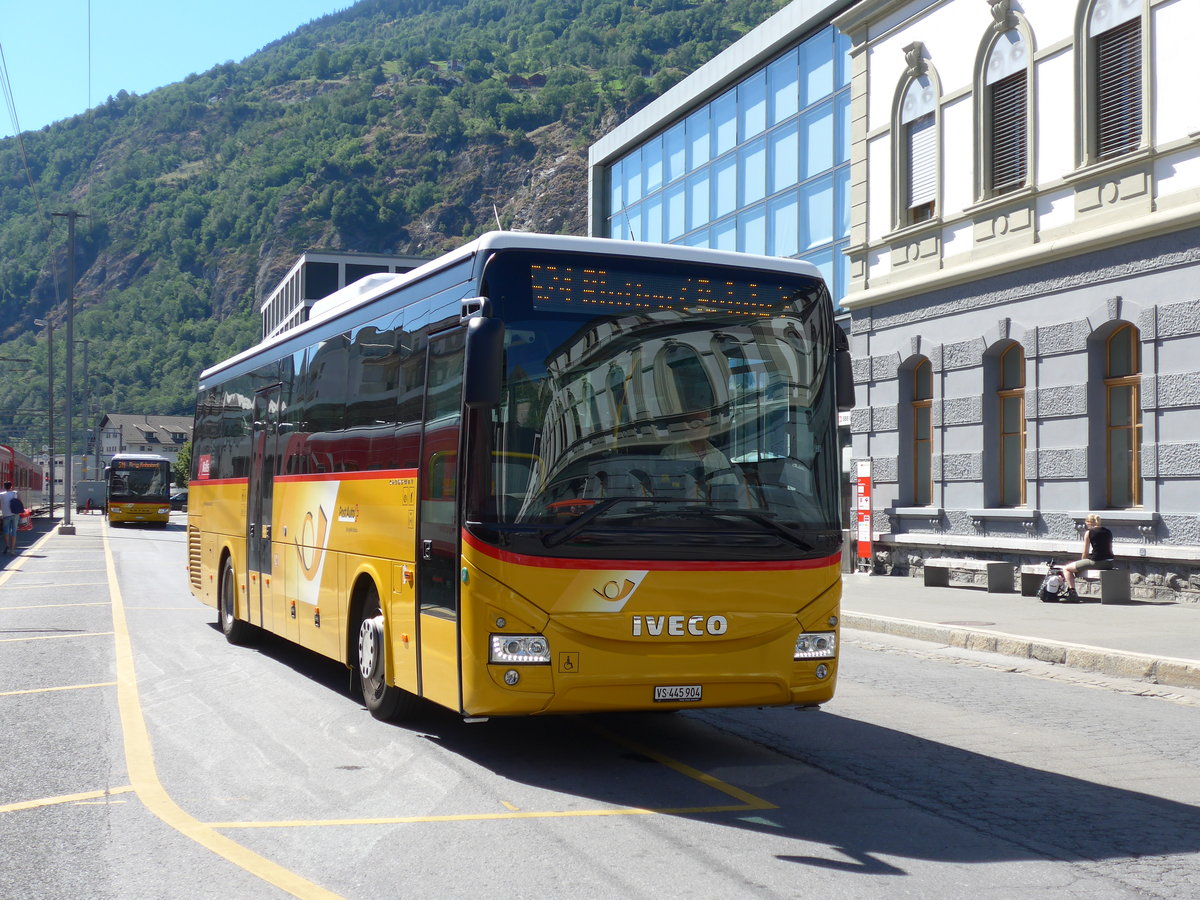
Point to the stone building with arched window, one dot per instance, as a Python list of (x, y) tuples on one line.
[(1024, 263)]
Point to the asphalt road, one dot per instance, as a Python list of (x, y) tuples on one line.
[(141, 756)]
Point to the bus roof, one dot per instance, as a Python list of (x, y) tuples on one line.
[(371, 287)]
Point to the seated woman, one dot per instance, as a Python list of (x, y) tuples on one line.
[(1097, 553)]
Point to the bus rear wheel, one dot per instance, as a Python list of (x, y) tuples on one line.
[(235, 630), (384, 701)]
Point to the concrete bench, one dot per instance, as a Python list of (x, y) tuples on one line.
[(999, 574), (1114, 583), (1032, 577)]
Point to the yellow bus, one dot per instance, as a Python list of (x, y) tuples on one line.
[(139, 489), (539, 474)]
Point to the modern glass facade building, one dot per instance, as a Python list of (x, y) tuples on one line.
[(750, 153)]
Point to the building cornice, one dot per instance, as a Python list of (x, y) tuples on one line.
[(1153, 225)]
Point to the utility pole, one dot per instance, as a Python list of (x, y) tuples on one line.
[(66, 527), (87, 397), (49, 326)]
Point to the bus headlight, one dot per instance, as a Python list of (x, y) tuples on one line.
[(528, 649), (816, 645)]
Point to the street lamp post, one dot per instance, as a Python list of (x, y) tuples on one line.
[(49, 326), (66, 527), (87, 397)]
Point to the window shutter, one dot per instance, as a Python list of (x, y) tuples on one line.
[(922, 162), (1009, 138), (1119, 89)]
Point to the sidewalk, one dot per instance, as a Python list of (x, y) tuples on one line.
[(1154, 642)]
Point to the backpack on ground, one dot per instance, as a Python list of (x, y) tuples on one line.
[(1054, 586)]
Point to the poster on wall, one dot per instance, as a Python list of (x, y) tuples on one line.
[(862, 506)]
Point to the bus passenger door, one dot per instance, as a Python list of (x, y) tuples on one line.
[(438, 527), (261, 494)]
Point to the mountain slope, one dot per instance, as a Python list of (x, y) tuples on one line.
[(399, 126)]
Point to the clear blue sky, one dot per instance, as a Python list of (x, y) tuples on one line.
[(136, 45)]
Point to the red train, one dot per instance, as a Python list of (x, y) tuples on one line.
[(23, 472)]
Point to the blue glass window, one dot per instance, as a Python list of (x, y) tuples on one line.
[(652, 166), (823, 260), (653, 219), (699, 138), (816, 212), (842, 225), (752, 230), (816, 68), (676, 153), (784, 156), (724, 235), (783, 87), (724, 116), (633, 177), (634, 220), (816, 129), (784, 220), (752, 164), (614, 186), (842, 143), (698, 200), (675, 212), (724, 186), (752, 106), (842, 47)]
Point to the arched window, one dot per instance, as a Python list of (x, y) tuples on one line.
[(1004, 106), (922, 433), (693, 391), (1113, 78), (918, 146), (1123, 424), (1010, 395)]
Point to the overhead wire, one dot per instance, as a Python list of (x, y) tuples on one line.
[(10, 102)]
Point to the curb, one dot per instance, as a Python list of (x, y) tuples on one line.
[(1182, 673)]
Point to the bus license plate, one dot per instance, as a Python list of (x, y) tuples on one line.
[(677, 693)]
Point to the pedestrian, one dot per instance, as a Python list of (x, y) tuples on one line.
[(10, 517), (1097, 553)]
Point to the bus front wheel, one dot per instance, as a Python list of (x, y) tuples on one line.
[(235, 630), (384, 701)]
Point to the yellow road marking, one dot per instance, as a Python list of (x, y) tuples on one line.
[(488, 817), (65, 798), (55, 637), (66, 687), (139, 760), (748, 802), (26, 586), (18, 562), (751, 801), (50, 605)]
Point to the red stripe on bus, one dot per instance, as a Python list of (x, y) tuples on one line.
[(655, 565), (218, 481)]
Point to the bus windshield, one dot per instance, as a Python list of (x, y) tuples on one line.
[(649, 410), (144, 480)]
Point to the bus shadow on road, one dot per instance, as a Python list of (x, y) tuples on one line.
[(865, 794)]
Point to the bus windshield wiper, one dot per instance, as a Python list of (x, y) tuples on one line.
[(566, 532), (764, 519)]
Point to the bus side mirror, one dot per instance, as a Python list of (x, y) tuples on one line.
[(843, 370), (845, 381), (484, 364)]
